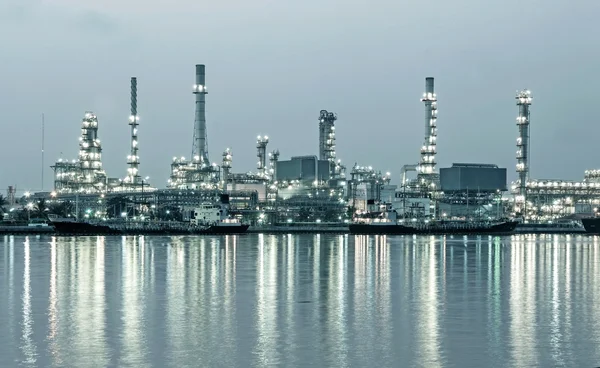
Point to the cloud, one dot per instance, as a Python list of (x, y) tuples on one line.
[(94, 21), (16, 10), (69, 18)]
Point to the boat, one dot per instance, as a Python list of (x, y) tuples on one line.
[(209, 219), (34, 226), (72, 227), (386, 222), (591, 225)]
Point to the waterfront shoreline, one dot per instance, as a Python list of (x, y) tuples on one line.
[(340, 230)]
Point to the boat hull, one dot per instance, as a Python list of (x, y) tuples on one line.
[(397, 229), (591, 225), (226, 230), (84, 228)]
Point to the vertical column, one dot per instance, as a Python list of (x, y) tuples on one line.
[(523, 102), (428, 151), (133, 159), (200, 149)]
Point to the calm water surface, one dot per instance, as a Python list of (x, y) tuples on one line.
[(307, 300)]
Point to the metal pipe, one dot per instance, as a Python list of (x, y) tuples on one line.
[(405, 169)]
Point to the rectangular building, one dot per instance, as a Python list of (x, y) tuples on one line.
[(303, 168), (473, 177)]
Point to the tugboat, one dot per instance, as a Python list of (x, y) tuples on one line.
[(207, 219), (216, 218), (386, 222)]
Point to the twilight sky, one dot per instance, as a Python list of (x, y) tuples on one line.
[(272, 65)]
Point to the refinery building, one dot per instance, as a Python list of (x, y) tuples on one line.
[(314, 187)]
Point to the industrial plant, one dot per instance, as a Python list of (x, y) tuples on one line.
[(312, 188)]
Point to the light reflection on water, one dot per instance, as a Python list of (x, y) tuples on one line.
[(320, 300)]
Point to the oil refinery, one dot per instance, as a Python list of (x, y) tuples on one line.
[(312, 188)]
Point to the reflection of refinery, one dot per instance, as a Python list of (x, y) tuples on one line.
[(315, 188)]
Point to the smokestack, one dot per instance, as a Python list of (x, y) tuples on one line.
[(429, 85), (133, 159), (200, 149)]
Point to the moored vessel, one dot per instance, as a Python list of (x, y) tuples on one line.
[(386, 223), (207, 219)]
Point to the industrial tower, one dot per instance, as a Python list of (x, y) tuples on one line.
[(273, 158), (90, 154), (133, 160), (426, 169), (197, 172), (523, 102), (327, 139), (84, 175), (200, 148), (226, 167), (261, 153)]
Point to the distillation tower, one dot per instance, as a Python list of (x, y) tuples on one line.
[(327, 138), (273, 158), (226, 167), (327, 144), (90, 151), (523, 102), (85, 174), (426, 170), (133, 160), (261, 153)]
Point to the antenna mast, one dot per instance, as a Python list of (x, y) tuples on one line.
[(42, 152)]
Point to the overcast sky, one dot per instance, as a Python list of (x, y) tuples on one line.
[(271, 66)]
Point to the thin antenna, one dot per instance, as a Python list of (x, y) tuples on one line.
[(42, 152)]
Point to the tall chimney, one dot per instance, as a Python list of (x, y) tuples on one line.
[(200, 149)]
